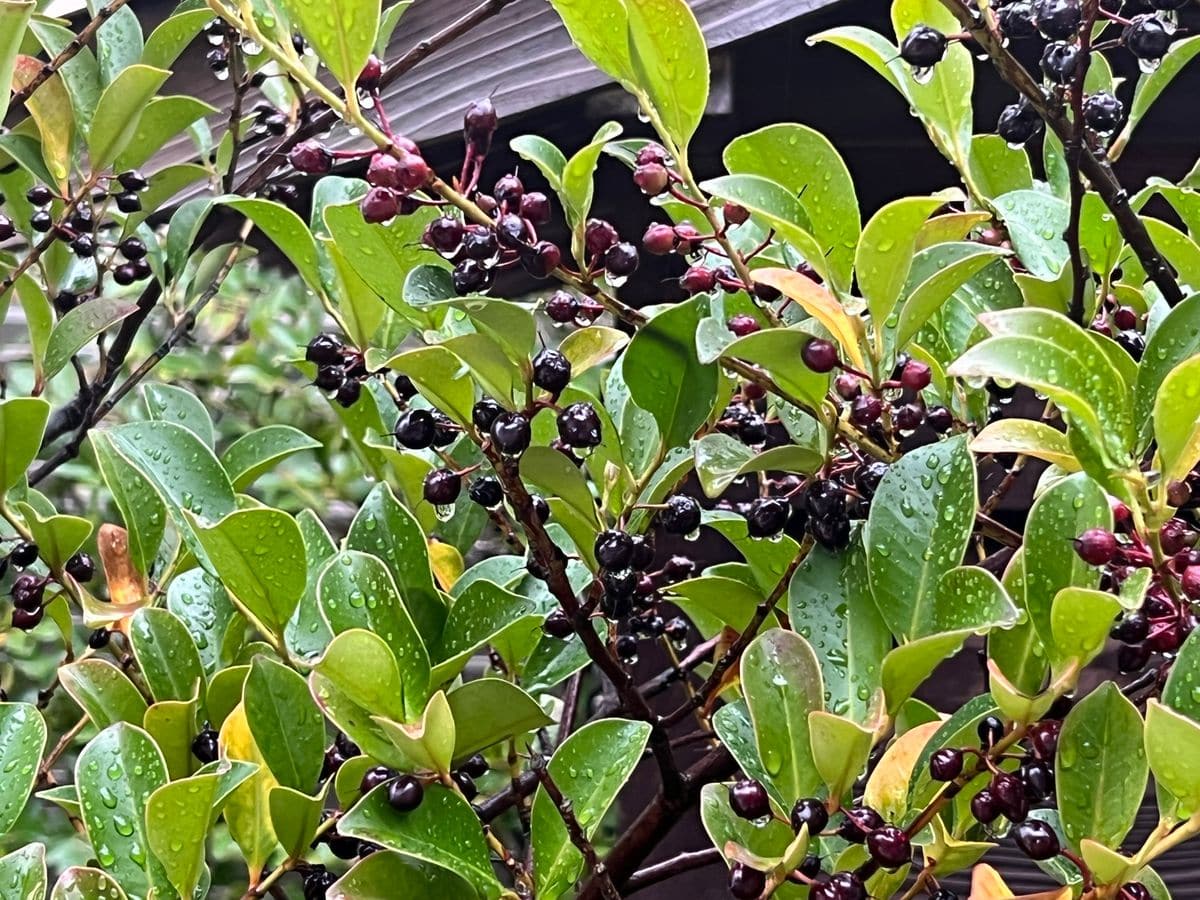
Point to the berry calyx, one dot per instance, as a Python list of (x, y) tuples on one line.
[(820, 355)]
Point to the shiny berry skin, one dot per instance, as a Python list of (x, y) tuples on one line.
[(946, 764), (735, 213), (348, 393), (7, 229), (330, 377), (557, 625), (579, 426), (820, 355), (444, 234), (1058, 20), (1135, 890), (379, 205), (405, 793), (825, 497), (98, 639), (990, 731), (621, 260), (132, 248), (205, 746), (627, 649), (1043, 738), (310, 158), (889, 846), (415, 429), (41, 221), (441, 487), (909, 416), (27, 592), (743, 324), (1016, 20), (541, 259), (535, 206), (682, 515), (1103, 114), (865, 410), (868, 476), (133, 180), (83, 246), (1133, 626), (27, 619), (652, 178), (486, 491), (562, 307), (1038, 778), (1059, 62), (471, 277), (916, 375), (940, 419), (384, 171), (511, 433), (599, 236), (698, 280), (1132, 658), (25, 553), (1146, 37), (984, 807), (39, 195), (476, 766), (858, 822), (480, 243), (1009, 793), (767, 517), (509, 190), (811, 812), (479, 124), (484, 413), (746, 883), (551, 371), (923, 47), (317, 883), (831, 532), (1018, 123), (1036, 839), (81, 567), (847, 386), (659, 239), (840, 886), (1096, 546), (374, 777), (465, 784), (748, 799), (614, 549)]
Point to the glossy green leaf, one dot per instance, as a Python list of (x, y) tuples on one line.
[(79, 326), (918, 531), (930, 295), (589, 769), (1029, 438), (589, 347), (50, 108), (481, 612), (177, 818), (22, 740), (577, 182), (386, 873), (307, 635), (116, 773), (600, 29), (287, 728), (170, 38), (57, 537), (830, 605), (664, 376), (247, 808), (341, 31), (1080, 620), (23, 871), (721, 460), (120, 110), (885, 251), (259, 451), (443, 831), (543, 154), (142, 508), (81, 883), (1182, 690), (356, 590), (173, 725), (441, 378), (996, 168), (839, 748), (768, 560), (488, 710), (803, 161), (175, 404), (1066, 510), (202, 604), (426, 739), (103, 691), (22, 423), (14, 17), (907, 666), (162, 119), (165, 654), (1151, 84), (670, 64), (1167, 732), (1100, 769), (781, 680), (284, 228), (295, 817), (1176, 339), (253, 552), (1177, 420), (776, 350)]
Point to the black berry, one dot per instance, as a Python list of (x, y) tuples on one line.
[(749, 800), (923, 47), (374, 777), (767, 517), (486, 492), (579, 425), (442, 487), (1036, 839), (205, 746), (811, 812), (415, 429), (682, 515), (81, 567), (511, 433), (405, 793), (946, 764), (551, 371), (614, 549), (746, 883)]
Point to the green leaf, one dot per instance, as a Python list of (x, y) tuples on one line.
[(1030, 438), (165, 654), (253, 552), (726, 829), (543, 154), (307, 635), (1180, 692), (577, 182), (996, 168), (712, 601), (885, 251), (173, 404), (781, 679), (356, 590), (173, 725), (907, 666), (839, 748), (483, 611), (57, 537), (385, 874), (589, 769), (50, 108), (1080, 620), (670, 62), (427, 739), (80, 75), (441, 378), (116, 773), (768, 560), (918, 531), (119, 43), (1177, 772), (14, 17), (295, 817), (665, 377), (120, 110), (600, 30), (1151, 84), (589, 347), (22, 423), (1176, 339), (341, 31), (142, 509), (830, 605), (1100, 769), (103, 691), (172, 37), (287, 728), (79, 326), (1177, 420), (24, 870), (776, 350), (804, 162), (284, 228), (722, 459), (350, 701), (22, 740), (443, 831), (259, 451), (958, 730), (488, 710), (1066, 510), (1179, 249), (1036, 222), (80, 883), (926, 298)]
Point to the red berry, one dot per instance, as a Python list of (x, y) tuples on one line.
[(847, 386), (535, 206), (599, 236), (509, 190), (541, 259), (311, 158), (820, 355), (698, 279), (652, 153), (659, 239), (1096, 546), (380, 204), (916, 375), (562, 307), (735, 214), (742, 324), (383, 171), (652, 178), (1125, 318), (479, 124), (368, 78), (1190, 582)]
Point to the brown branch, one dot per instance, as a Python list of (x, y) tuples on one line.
[(68, 53), (1074, 151), (981, 25), (578, 837), (669, 868), (49, 238)]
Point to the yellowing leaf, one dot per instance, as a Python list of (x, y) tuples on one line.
[(1034, 439), (446, 562), (821, 305), (50, 107), (986, 884), (887, 788), (248, 810)]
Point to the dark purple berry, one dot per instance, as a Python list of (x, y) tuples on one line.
[(374, 777), (749, 800), (1036, 839), (614, 549), (1096, 546), (946, 764), (81, 567), (405, 793), (487, 492), (820, 355), (441, 487), (682, 515), (511, 433), (811, 812), (889, 846), (767, 517), (746, 883), (923, 47), (551, 371), (1146, 37), (579, 426), (205, 746)]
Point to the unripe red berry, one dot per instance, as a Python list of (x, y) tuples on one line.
[(916, 375), (379, 204), (368, 78), (311, 158), (659, 239), (742, 324), (652, 178), (698, 279), (1190, 582), (735, 213), (1096, 546)]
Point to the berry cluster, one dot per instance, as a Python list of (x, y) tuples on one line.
[(340, 369), (1121, 323), (28, 591)]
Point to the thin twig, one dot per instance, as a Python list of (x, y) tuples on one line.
[(669, 868), (578, 837), (1074, 152)]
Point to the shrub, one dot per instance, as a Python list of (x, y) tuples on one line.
[(972, 422)]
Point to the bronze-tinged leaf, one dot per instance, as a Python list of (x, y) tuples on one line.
[(50, 107), (126, 586)]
